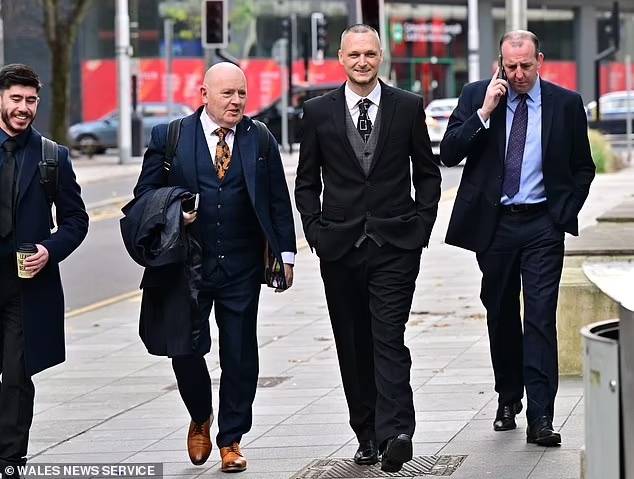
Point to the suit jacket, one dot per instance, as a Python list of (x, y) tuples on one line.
[(380, 201), (268, 192), (42, 296), (567, 164)]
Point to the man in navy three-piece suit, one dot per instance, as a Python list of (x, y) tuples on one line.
[(244, 204), (527, 174)]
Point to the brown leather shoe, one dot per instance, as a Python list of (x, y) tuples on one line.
[(232, 458), (199, 442)]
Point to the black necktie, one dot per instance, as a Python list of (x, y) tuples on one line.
[(6, 187), (515, 150), (364, 125)]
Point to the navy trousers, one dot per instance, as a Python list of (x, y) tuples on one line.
[(526, 254)]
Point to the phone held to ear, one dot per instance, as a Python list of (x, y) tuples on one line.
[(190, 204), (501, 72)]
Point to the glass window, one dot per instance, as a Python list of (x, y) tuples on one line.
[(256, 30), (554, 28)]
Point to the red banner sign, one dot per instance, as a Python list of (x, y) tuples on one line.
[(99, 82)]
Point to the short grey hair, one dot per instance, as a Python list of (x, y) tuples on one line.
[(359, 28), (517, 37)]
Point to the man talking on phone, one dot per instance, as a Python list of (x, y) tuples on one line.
[(527, 174)]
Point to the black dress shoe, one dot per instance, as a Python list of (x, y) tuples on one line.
[(368, 453), (505, 417), (398, 450), (541, 432)]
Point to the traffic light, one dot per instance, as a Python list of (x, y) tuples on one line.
[(215, 24), (319, 34), (615, 22), (286, 27), (370, 13)]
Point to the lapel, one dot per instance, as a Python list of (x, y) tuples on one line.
[(30, 161), (388, 107), (244, 151), (338, 110), (187, 140), (547, 114), (498, 124)]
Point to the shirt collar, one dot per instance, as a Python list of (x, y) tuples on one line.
[(533, 94), (352, 98), (21, 139), (209, 126)]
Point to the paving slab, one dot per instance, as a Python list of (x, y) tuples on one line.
[(112, 402)]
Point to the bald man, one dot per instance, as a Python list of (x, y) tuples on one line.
[(244, 204)]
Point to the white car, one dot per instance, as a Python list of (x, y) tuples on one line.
[(437, 116)]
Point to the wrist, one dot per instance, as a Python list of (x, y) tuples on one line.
[(484, 114)]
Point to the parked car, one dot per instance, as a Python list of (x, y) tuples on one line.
[(271, 115), (437, 116), (96, 136), (614, 108)]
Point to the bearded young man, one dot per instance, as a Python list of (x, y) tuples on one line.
[(31, 309)]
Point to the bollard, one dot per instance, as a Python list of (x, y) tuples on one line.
[(137, 134)]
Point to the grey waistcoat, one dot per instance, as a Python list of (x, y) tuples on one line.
[(364, 151)]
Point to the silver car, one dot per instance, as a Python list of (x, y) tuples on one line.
[(94, 137), (437, 116)]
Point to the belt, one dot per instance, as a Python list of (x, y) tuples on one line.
[(524, 208)]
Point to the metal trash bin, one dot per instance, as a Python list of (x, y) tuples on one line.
[(602, 400)]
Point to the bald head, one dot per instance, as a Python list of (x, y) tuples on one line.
[(222, 69), (224, 94)]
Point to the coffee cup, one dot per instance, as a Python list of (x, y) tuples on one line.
[(24, 251)]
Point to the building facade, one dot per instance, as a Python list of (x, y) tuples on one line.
[(426, 48)]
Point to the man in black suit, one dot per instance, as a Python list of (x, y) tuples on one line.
[(527, 174), (31, 309), (369, 234), (244, 203)]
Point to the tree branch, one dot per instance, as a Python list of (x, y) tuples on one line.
[(49, 9), (80, 7)]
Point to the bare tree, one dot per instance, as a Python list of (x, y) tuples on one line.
[(61, 20)]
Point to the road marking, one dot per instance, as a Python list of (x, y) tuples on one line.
[(104, 214), (103, 303)]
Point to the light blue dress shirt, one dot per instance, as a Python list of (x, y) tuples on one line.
[(532, 178)]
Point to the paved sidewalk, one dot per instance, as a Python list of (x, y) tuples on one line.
[(112, 402)]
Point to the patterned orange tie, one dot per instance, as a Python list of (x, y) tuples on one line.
[(223, 154)]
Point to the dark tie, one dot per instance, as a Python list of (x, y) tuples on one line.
[(515, 150), (364, 125), (223, 154), (6, 187)]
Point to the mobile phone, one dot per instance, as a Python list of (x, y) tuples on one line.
[(501, 72), (190, 205)]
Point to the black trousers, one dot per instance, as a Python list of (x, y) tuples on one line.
[(17, 391), (369, 294), (527, 253), (235, 303)]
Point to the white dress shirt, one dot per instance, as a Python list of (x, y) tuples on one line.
[(209, 126), (352, 100)]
